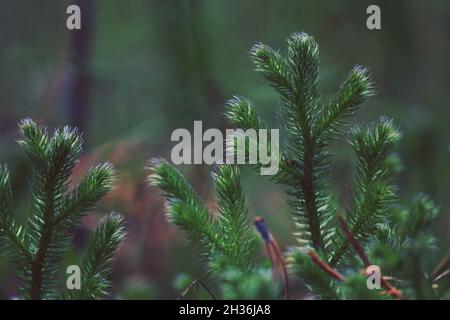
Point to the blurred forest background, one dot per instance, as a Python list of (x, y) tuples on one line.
[(140, 69)]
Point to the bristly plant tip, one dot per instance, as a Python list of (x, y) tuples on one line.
[(38, 246), (331, 252)]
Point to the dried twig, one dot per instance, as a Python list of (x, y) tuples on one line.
[(274, 252), (325, 266), (442, 269), (351, 238), (390, 289), (196, 284)]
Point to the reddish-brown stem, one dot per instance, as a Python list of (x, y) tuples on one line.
[(281, 264), (442, 268), (390, 289), (351, 238), (325, 266)]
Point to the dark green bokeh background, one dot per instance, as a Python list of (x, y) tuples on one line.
[(140, 69)]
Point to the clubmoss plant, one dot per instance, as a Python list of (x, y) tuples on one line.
[(336, 245), (38, 245)]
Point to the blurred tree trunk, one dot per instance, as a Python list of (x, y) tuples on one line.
[(78, 85), (188, 45)]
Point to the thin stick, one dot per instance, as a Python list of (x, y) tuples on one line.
[(197, 291), (274, 252), (362, 254), (325, 266), (198, 282), (440, 276), (441, 269), (282, 267), (351, 238)]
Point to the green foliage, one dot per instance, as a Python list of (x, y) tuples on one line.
[(225, 238), (96, 264), (373, 192), (418, 252), (233, 221), (376, 228), (38, 246), (185, 208), (255, 284), (354, 288), (242, 113), (308, 124), (314, 278)]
